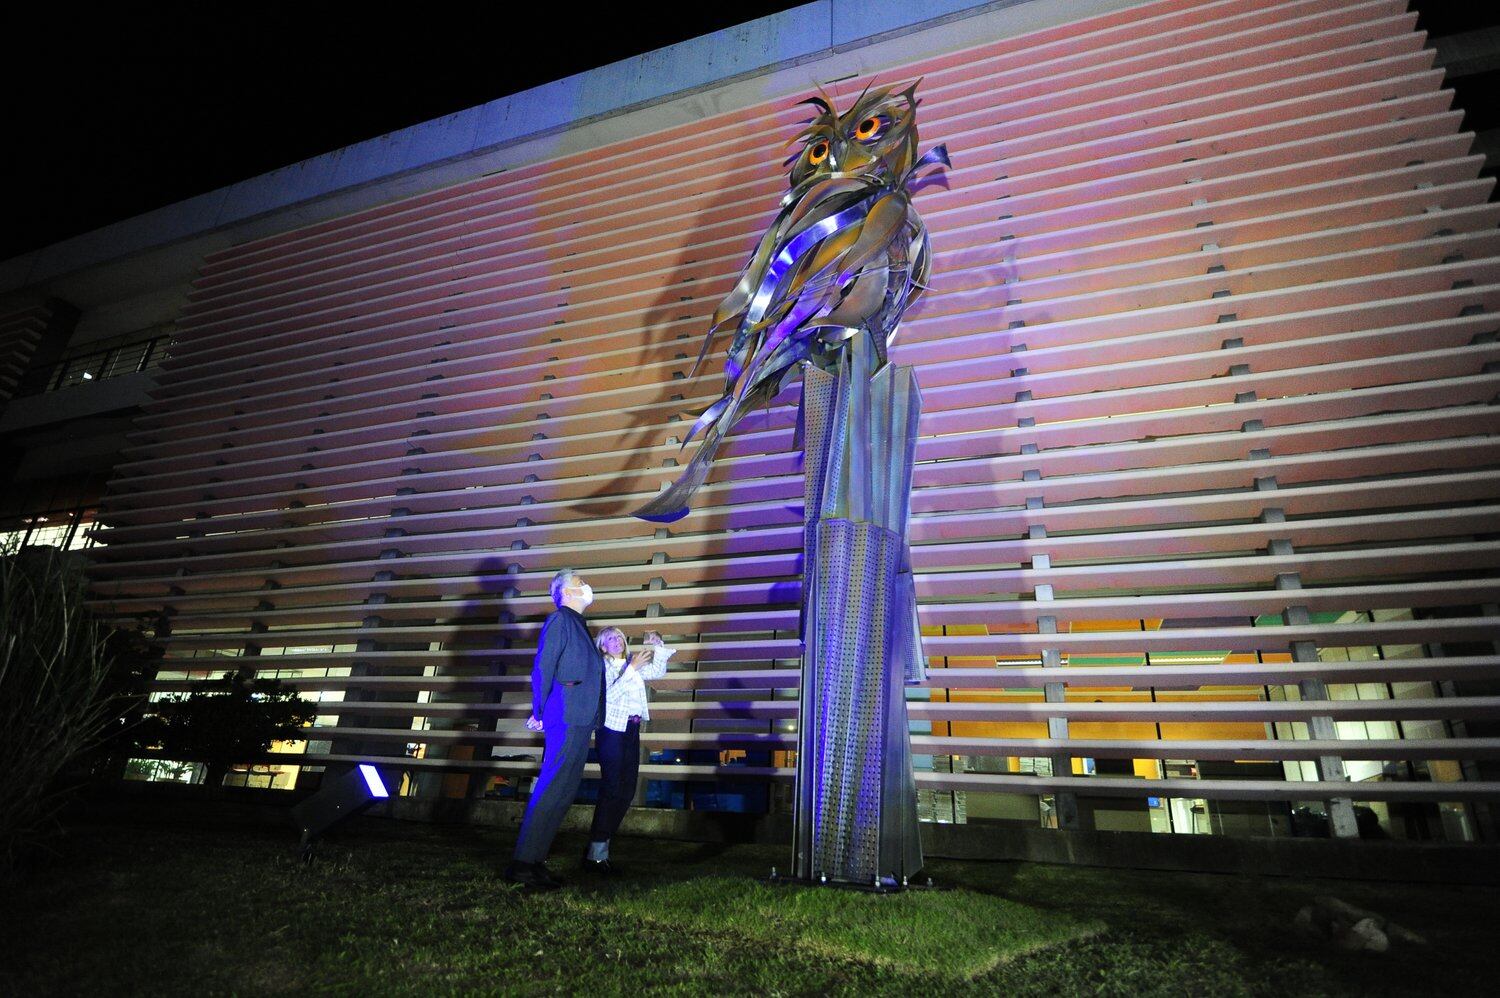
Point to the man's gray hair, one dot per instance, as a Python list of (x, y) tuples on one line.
[(559, 583)]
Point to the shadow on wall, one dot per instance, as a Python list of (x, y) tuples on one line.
[(657, 338), (456, 794)]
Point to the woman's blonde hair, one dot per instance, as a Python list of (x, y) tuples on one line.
[(599, 641)]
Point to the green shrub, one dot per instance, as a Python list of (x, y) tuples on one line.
[(228, 720)]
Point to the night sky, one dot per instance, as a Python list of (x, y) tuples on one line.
[(115, 112), (112, 113)]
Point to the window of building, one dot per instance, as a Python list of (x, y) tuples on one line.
[(138, 351)]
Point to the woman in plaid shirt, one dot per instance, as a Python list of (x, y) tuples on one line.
[(619, 740)]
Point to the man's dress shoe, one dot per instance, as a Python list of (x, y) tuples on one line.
[(533, 875)]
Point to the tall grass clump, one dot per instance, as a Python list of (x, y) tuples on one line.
[(55, 699)]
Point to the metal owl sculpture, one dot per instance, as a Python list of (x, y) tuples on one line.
[(846, 254), (822, 295)]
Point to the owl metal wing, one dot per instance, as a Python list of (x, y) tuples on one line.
[(846, 253)]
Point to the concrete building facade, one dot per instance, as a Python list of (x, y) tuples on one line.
[(1207, 490)]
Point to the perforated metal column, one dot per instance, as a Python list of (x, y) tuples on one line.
[(856, 799)]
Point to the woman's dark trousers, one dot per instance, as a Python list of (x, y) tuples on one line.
[(619, 765)]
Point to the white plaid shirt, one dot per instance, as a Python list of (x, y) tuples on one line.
[(625, 690)]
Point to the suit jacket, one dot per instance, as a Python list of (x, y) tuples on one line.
[(567, 676)]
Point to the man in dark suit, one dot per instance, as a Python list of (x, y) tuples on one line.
[(567, 704)]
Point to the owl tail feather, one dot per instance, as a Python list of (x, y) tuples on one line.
[(671, 504)]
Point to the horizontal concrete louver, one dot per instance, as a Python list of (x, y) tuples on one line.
[(1213, 318), (21, 329)]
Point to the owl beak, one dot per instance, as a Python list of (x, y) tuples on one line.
[(836, 155)]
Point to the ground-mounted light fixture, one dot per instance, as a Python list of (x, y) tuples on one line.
[(339, 799)]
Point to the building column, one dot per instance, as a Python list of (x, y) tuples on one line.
[(1321, 727)]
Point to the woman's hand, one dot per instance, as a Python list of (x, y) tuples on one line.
[(639, 660)]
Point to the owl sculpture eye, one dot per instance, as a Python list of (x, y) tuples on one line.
[(818, 153), (871, 128)]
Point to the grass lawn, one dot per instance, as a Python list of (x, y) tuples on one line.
[(394, 908)]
